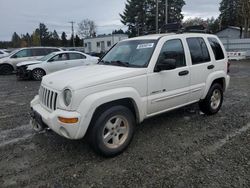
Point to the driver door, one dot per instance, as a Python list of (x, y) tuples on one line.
[(169, 89)]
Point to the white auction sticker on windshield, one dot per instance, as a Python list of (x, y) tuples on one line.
[(142, 46)]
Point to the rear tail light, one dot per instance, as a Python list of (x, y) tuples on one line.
[(228, 67)]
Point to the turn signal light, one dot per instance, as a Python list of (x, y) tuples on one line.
[(68, 120)]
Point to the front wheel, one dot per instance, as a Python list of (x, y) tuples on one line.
[(6, 69), (213, 101), (37, 74), (112, 131)]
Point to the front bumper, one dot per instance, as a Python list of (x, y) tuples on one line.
[(50, 118), (23, 73)]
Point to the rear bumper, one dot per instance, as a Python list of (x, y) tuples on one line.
[(69, 131)]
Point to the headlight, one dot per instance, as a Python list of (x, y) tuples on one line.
[(67, 96)]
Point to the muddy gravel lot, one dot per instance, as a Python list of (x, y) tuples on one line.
[(182, 148)]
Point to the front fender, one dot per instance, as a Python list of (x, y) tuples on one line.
[(90, 103)]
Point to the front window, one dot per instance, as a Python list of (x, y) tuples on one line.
[(22, 53), (60, 57), (74, 56), (173, 49), (134, 53)]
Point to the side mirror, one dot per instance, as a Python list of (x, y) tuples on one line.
[(165, 64)]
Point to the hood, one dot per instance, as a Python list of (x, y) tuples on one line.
[(3, 59), (88, 76), (28, 63)]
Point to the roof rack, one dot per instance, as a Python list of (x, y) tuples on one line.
[(178, 28)]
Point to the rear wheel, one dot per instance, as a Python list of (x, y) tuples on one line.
[(112, 131), (37, 74), (6, 69), (213, 101)]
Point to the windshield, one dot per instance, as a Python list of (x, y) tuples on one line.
[(134, 53), (14, 52), (47, 57)]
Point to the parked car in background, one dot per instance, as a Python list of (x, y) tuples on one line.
[(8, 64), (9, 50), (53, 62), (3, 53)]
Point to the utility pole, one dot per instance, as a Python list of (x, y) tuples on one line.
[(157, 17), (166, 12), (73, 38)]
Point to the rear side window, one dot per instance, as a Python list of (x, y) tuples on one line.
[(218, 52), (73, 56), (198, 50), (173, 49), (38, 52)]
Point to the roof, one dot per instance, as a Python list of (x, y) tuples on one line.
[(158, 36), (104, 36)]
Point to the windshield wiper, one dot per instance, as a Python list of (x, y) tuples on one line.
[(120, 63)]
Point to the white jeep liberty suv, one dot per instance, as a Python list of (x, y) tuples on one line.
[(137, 79)]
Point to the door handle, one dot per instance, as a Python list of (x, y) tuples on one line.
[(210, 67), (183, 73)]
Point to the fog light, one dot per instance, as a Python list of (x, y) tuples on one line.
[(68, 120)]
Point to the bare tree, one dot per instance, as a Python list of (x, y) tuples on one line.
[(87, 28)]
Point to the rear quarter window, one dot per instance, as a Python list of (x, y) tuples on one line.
[(217, 49), (50, 50), (198, 49)]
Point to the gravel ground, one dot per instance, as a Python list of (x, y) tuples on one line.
[(182, 148)]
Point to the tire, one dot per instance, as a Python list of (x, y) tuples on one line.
[(6, 69), (117, 124), (213, 101), (37, 74)]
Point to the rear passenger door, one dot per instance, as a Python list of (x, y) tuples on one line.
[(76, 59), (201, 66)]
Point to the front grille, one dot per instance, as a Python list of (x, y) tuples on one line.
[(48, 98)]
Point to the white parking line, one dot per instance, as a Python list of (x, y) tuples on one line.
[(225, 140), (15, 140), (15, 135)]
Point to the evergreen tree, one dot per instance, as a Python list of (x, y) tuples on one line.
[(230, 13), (55, 39), (77, 41), (45, 35), (139, 15), (35, 38), (64, 39), (27, 39), (16, 40)]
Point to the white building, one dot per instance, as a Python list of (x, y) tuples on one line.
[(102, 43)]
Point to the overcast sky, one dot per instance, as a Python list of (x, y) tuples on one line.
[(24, 16)]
